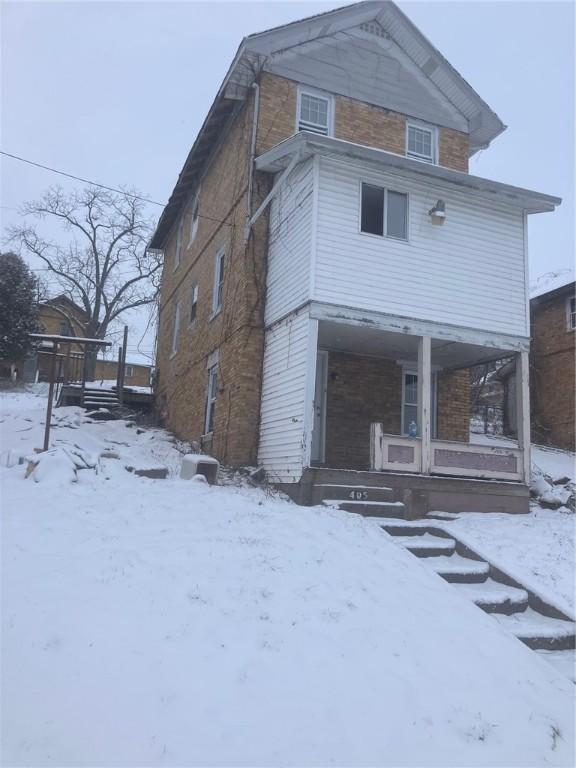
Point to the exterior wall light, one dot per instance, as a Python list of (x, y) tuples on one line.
[(438, 213)]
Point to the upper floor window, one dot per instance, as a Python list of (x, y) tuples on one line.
[(218, 282), (194, 218), (193, 304), (314, 112), (175, 330), (384, 212), (66, 328), (572, 313), (178, 250), (129, 371), (421, 142)]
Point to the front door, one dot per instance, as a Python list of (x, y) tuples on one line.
[(319, 431)]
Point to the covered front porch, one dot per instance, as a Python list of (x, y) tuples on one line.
[(398, 404)]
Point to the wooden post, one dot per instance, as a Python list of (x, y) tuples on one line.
[(123, 368), (118, 370), (523, 412), (50, 397), (425, 400)]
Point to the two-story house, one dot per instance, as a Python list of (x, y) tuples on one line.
[(332, 270)]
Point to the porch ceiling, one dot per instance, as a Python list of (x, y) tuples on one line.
[(353, 339)]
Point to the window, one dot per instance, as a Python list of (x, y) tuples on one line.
[(178, 250), (194, 218), (193, 303), (384, 212), (66, 328), (572, 313), (410, 402), (129, 371), (218, 282), (421, 142), (176, 329), (211, 398), (314, 112)]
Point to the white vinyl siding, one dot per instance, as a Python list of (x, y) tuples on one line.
[(290, 244), (469, 272), (284, 387)]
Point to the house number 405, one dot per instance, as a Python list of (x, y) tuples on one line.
[(358, 495)]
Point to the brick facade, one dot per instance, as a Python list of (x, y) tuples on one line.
[(237, 330), (362, 390), (552, 370)]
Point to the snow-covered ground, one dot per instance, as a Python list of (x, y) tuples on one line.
[(166, 622)]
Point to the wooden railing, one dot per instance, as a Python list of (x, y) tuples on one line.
[(404, 454)]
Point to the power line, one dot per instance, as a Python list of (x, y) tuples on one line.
[(79, 178), (102, 186)]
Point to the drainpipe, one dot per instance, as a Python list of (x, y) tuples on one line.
[(252, 158)]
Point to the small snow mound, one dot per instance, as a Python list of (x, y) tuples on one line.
[(199, 479)]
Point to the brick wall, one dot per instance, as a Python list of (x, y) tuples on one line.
[(353, 121), (552, 373), (453, 412)]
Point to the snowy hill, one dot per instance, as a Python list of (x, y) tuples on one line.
[(164, 622)]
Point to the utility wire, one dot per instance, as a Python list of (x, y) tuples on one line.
[(102, 186)]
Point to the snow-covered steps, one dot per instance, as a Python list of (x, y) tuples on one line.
[(100, 398), (457, 569), (369, 508), (494, 597), (540, 632), (427, 545)]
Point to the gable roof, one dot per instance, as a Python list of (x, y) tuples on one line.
[(257, 49)]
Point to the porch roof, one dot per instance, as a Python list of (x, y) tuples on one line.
[(307, 144)]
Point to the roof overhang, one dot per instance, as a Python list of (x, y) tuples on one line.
[(309, 144)]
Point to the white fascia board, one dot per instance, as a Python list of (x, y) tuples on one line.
[(310, 144), (334, 313)]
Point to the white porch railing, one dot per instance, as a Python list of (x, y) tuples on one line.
[(404, 454)]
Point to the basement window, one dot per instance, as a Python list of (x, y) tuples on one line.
[(572, 313), (314, 112), (175, 330), (384, 212), (193, 304), (421, 142)]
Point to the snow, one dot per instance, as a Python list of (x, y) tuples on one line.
[(162, 622), (551, 281)]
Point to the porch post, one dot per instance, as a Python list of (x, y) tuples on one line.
[(523, 412), (425, 400)]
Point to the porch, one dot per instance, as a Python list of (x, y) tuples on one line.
[(392, 409)]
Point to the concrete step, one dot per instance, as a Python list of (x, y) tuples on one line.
[(369, 508), (540, 632), (427, 545), (495, 597), (322, 491), (459, 570)]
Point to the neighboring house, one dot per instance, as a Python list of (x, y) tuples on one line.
[(135, 374), (553, 363), (332, 271)]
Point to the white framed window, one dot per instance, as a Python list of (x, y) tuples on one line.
[(571, 313), (410, 401), (315, 112), (175, 330), (129, 371), (193, 304), (178, 249), (194, 218), (211, 394), (421, 142), (383, 212), (218, 282)]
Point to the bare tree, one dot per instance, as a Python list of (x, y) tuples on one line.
[(104, 267)]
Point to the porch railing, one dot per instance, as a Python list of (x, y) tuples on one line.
[(404, 454)]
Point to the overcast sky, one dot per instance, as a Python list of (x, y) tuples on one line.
[(116, 91)]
